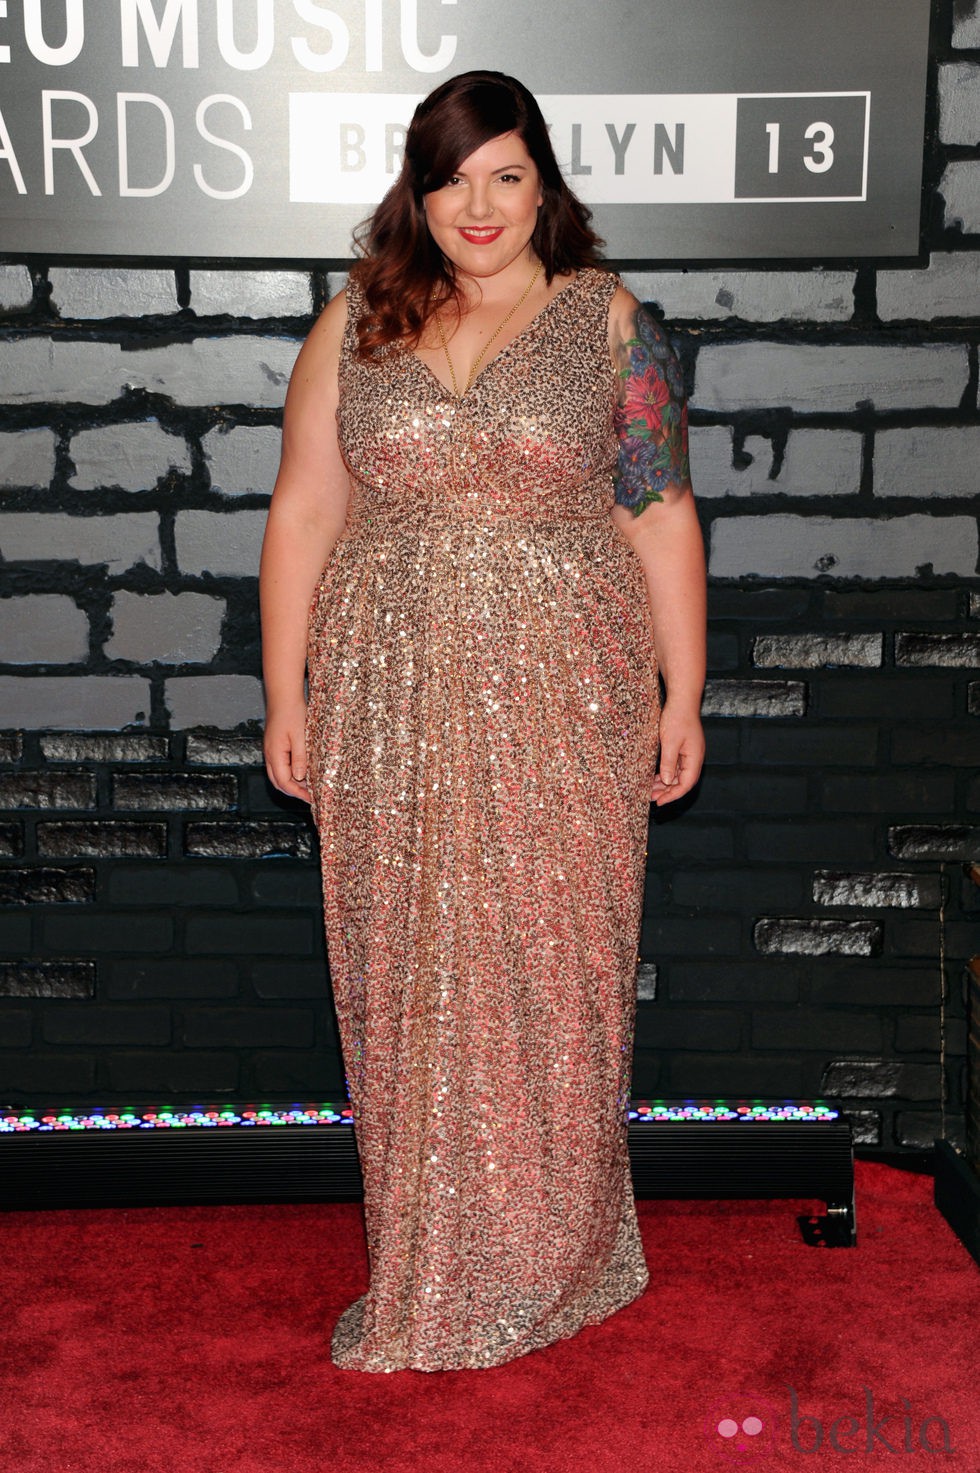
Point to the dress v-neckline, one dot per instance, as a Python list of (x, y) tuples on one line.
[(461, 398)]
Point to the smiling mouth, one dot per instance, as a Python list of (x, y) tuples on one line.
[(482, 237)]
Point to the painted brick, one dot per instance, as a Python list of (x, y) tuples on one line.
[(878, 891), (877, 1079), (738, 791), (171, 1075), (251, 293), (934, 841), (830, 379), (97, 747), (227, 544), (816, 463), (966, 23), (754, 698), (133, 455), (119, 542), (739, 982), (752, 296), (232, 370), (825, 842), (920, 1032), (47, 979), (817, 937), (223, 751), (710, 1027), (183, 885), (26, 458), (915, 935), (646, 982), (749, 887), (110, 1026), (11, 840), (918, 1130), (875, 604), (99, 838), (948, 287), (851, 746), (16, 288), (46, 886), (111, 291), (289, 885), (723, 1077), (951, 651), (255, 1027), (960, 188), (243, 935), (171, 976), (255, 839), (927, 460), (929, 746), (959, 103), (854, 695), (865, 1127), (814, 651), (787, 546), (42, 628), (179, 792), (723, 653), (55, 1077), (89, 702), (214, 701), (18, 1029), (811, 1028), (887, 792), (167, 628), (47, 790), (973, 698), (878, 986), (243, 460)]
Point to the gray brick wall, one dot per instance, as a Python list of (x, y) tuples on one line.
[(159, 927)]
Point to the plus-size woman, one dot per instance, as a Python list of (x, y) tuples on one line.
[(482, 545)]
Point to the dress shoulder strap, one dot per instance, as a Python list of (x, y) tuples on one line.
[(355, 311)]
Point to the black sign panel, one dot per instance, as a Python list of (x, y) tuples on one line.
[(268, 128)]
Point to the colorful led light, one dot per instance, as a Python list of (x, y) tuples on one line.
[(195, 1117)]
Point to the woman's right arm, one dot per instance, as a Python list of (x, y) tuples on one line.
[(306, 516)]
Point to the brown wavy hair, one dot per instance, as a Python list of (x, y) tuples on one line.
[(402, 272)]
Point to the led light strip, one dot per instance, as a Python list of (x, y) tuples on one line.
[(18, 1121)]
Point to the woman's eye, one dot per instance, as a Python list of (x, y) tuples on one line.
[(510, 178)]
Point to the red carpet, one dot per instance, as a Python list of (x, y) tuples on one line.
[(195, 1340)]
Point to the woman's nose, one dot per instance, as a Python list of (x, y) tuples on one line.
[(480, 203)]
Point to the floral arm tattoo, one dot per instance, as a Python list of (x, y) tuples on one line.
[(650, 418)]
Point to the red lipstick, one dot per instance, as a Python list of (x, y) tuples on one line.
[(484, 237)]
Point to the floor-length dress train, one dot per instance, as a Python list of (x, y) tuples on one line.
[(482, 735)]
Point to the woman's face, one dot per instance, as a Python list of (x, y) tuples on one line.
[(483, 217)]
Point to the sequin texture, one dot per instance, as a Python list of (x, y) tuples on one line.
[(482, 734)]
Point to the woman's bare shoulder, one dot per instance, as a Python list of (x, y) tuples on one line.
[(320, 352), (623, 307)]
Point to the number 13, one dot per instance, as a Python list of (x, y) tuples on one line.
[(822, 157)]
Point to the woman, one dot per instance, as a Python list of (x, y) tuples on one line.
[(482, 519)]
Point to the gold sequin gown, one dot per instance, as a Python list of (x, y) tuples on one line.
[(482, 734)]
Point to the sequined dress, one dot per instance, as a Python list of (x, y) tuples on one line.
[(482, 731)]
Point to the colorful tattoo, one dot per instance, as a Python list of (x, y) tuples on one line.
[(651, 418)]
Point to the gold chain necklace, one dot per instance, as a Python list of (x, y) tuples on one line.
[(496, 333)]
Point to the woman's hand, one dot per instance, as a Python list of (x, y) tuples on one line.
[(285, 750), (681, 754)]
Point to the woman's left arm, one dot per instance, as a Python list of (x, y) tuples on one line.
[(656, 512)]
